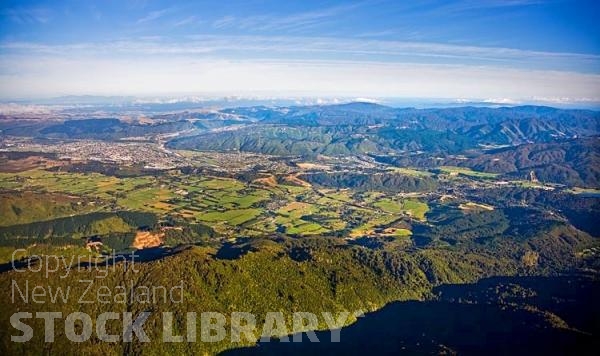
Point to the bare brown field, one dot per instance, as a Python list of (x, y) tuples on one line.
[(147, 239), (269, 181), (293, 178)]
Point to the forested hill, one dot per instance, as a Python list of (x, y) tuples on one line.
[(330, 129), (369, 128), (573, 162)]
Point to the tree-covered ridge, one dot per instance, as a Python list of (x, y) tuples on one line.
[(368, 128), (258, 275), (374, 181), (335, 129), (546, 315)]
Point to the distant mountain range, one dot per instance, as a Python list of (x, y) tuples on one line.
[(372, 128), (558, 145)]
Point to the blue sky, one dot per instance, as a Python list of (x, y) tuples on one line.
[(512, 50)]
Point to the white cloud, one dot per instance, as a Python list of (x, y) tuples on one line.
[(235, 47), (463, 6), (154, 15), (225, 21), (507, 101), (186, 75), (367, 100), (296, 21), (186, 21), (239, 65)]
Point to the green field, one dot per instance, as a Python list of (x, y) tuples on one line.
[(231, 217), (411, 172), (403, 232), (26, 207), (467, 172), (226, 204), (585, 191), (411, 207)]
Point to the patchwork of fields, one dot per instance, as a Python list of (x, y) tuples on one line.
[(209, 204), (229, 206)]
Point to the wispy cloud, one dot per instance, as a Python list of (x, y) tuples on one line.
[(463, 6), (186, 21), (296, 21), (167, 75), (375, 34), (357, 50), (28, 15), (308, 18), (223, 22), (154, 15)]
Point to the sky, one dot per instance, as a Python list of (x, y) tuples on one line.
[(511, 51)]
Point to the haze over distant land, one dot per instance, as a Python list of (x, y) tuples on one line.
[(505, 52)]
